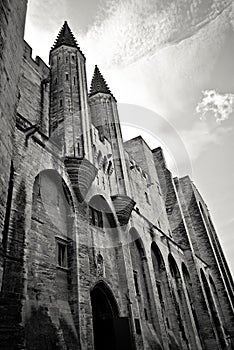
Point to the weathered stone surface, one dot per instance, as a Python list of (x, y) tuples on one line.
[(160, 277), (12, 19)]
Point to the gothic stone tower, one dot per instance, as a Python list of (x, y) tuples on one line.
[(69, 111), (104, 116)]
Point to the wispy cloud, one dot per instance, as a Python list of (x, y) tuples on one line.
[(127, 30), (201, 136), (221, 106)]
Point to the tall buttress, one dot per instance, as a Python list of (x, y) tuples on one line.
[(69, 113)]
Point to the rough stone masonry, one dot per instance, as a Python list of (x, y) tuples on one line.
[(100, 247)]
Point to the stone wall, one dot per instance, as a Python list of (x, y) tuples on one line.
[(12, 19), (33, 77)]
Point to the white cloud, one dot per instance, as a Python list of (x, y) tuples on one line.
[(128, 31), (169, 78), (219, 105)]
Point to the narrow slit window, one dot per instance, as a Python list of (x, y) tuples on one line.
[(160, 293), (61, 254), (147, 198), (67, 76), (146, 314), (159, 191), (95, 217), (60, 103), (135, 275), (137, 326)]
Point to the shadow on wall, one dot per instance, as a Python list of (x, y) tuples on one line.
[(13, 278), (42, 334), (151, 337)]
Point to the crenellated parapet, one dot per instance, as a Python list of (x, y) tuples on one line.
[(38, 64)]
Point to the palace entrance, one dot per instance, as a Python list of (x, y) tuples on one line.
[(111, 332)]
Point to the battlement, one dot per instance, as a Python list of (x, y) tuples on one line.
[(38, 64)]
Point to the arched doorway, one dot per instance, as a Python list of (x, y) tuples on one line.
[(105, 312)]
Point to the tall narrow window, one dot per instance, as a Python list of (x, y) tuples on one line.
[(62, 254), (67, 77), (8, 207), (95, 217), (100, 265), (137, 326), (146, 314), (159, 191), (60, 102), (135, 276), (147, 198), (158, 284), (110, 168)]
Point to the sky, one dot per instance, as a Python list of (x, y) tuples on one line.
[(169, 63)]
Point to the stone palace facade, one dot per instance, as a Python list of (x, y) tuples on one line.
[(100, 247)]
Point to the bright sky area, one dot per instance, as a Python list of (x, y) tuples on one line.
[(170, 65)]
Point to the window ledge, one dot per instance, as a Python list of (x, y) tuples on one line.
[(65, 269)]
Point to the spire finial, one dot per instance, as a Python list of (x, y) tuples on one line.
[(65, 37), (99, 84)]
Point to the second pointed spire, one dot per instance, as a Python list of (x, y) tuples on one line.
[(99, 84)]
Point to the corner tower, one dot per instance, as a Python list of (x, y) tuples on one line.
[(105, 117), (69, 113)]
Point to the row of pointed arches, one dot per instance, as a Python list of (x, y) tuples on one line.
[(168, 304), (174, 302), (172, 314)]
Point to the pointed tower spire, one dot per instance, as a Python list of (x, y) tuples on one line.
[(99, 84), (65, 37)]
